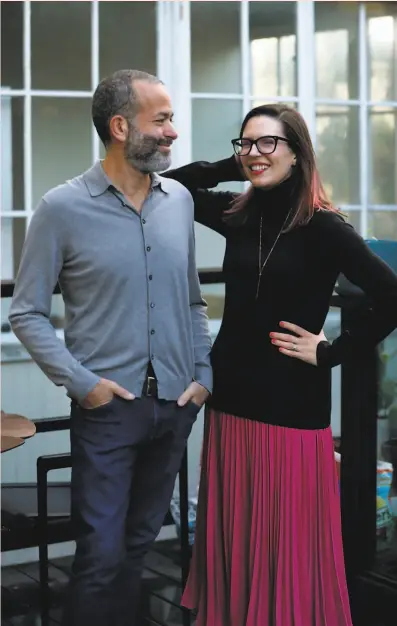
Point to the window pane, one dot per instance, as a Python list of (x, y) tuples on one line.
[(12, 44), (61, 45), (60, 127), (216, 59), (337, 151), (336, 26), (11, 129), (354, 218), (383, 156), (212, 141), (273, 48), (382, 224), (12, 238), (382, 36), (215, 124), (127, 36)]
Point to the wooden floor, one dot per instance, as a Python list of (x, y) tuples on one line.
[(161, 582)]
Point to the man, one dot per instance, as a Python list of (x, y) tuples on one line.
[(120, 241)]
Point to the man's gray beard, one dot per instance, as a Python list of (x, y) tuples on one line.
[(142, 152), (156, 163)]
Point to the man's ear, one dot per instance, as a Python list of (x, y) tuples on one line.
[(118, 127)]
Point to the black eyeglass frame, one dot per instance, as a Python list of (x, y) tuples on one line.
[(254, 142)]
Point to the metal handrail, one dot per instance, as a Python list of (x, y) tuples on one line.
[(209, 276)]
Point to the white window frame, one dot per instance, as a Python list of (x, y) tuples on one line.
[(173, 67), (363, 104), (7, 266), (245, 95), (363, 118), (27, 93)]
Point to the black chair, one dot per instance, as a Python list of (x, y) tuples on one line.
[(19, 506)]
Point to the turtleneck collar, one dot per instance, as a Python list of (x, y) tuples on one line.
[(275, 203)]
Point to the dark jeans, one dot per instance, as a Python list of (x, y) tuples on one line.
[(125, 460)]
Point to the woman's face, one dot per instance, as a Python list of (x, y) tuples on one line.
[(269, 169)]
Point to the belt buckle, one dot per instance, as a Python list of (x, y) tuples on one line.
[(150, 382)]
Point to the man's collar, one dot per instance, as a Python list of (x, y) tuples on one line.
[(98, 182), (165, 184)]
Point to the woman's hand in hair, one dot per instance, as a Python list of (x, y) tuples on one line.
[(298, 343)]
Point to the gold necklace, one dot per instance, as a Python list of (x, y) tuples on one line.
[(271, 250)]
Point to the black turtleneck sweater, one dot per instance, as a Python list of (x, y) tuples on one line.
[(252, 379)]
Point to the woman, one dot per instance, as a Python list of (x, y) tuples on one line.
[(268, 547)]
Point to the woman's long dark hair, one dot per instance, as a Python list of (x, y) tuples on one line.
[(309, 192)]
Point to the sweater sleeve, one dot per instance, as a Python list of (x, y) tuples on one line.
[(200, 176), (40, 266), (378, 281), (198, 312)]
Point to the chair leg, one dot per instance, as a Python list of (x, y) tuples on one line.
[(184, 521), (42, 517)]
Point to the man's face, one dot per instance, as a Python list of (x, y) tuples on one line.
[(151, 132)]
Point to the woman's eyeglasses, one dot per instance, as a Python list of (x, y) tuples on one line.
[(264, 145)]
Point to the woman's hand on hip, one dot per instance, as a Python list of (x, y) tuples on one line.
[(300, 345)]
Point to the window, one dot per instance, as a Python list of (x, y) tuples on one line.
[(249, 61), (356, 108), (337, 152), (381, 33), (382, 121), (262, 53), (337, 100), (47, 82), (273, 50)]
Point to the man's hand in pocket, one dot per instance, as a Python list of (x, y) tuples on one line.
[(195, 393), (103, 393)]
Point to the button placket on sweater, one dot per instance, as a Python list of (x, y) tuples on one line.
[(149, 285), (149, 273)]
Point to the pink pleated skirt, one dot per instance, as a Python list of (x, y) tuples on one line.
[(268, 546)]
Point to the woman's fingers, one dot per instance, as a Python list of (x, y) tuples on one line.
[(294, 328)]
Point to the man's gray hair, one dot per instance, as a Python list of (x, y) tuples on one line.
[(116, 95)]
